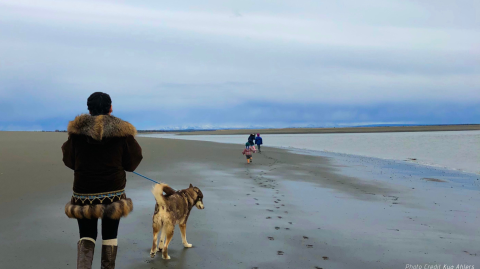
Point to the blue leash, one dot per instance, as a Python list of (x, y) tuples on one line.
[(150, 179), (146, 177)]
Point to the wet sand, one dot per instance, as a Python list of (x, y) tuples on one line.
[(426, 128), (285, 210)]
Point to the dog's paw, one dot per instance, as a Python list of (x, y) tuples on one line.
[(152, 254), (187, 245), (167, 258)]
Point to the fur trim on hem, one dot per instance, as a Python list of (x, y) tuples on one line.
[(115, 210)]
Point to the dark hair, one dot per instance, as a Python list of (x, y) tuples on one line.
[(99, 103)]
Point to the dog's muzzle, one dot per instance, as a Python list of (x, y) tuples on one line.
[(199, 204)]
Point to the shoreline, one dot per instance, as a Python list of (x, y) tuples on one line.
[(378, 159), (285, 210), (340, 130), (368, 146), (355, 159)]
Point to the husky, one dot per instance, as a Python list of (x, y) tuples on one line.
[(171, 209)]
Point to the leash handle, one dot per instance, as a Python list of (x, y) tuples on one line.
[(146, 177)]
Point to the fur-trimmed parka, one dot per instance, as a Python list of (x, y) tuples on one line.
[(100, 149)]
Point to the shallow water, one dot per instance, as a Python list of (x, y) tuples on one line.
[(459, 150)]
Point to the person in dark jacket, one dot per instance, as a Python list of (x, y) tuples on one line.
[(251, 139), (100, 148), (258, 142)]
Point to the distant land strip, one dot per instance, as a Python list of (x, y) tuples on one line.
[(383, 129)]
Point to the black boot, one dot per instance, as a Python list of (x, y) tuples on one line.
[(109, 254), (85, 250)]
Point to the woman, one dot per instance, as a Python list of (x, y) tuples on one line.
[(100, 148)]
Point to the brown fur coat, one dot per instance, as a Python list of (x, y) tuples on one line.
[(100, 149)]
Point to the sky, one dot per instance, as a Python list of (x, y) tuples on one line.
[(237, 64)]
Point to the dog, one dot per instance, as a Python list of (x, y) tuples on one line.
[(171, 209)]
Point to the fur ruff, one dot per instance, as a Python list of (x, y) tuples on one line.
[(101, 126), (115, 210)]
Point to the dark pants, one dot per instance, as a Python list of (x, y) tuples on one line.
[(88, 228), (258, 147)]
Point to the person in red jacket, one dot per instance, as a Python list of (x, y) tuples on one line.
[(248, 151), (100, 148)]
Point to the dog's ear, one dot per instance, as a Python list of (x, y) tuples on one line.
[(191, 186)]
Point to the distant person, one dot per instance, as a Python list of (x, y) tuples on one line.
[(100, 148), (251, 139), (248, 152), (258, 142)]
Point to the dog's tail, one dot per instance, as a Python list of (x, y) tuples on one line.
[(159, 189)]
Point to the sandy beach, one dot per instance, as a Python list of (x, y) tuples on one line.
[(285, 210)]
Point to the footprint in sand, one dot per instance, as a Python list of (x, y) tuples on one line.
[(271, 238), (279, 217), (290, 222), (309, 246), (305, 237), (316, 267), (270, 210), (471, 254), (287, 228), (277, 207), (325, 257), (268, 217), (279, 252), (277, 228), (275, 202), (257, 203), (286, 212)]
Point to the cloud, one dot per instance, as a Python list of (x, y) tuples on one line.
[(175, 58)]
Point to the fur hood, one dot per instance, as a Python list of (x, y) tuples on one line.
[(99, 127)]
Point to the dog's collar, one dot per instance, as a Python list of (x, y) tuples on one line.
[(184, 194)]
